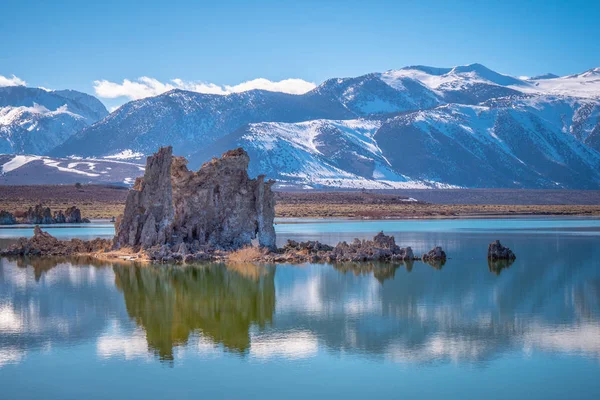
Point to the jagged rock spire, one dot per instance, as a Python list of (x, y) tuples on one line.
[(217, 206)]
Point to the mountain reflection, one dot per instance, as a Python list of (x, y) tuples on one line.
[(171, 303)]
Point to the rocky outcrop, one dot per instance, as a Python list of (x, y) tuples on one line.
[(44, 244), (381, 248), (7, 218), (73, 216), (59, 217), (498, 252), (435, 257), (218, 206), (435, 254), (38, 215)]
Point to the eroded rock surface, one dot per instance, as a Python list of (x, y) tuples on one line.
[(498, 252), (218, 206)]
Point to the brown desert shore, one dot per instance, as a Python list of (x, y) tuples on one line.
[(105, 202)]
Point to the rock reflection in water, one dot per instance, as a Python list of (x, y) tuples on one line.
[(496, 266), (221, 303), (380, 270), (403, 312), (40, 265)]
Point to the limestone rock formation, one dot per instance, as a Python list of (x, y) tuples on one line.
[(498, 252), (59, 217), (435, 257), (43, 215), (309, 247), (434, 254), (218, 206), (73, 215), (44, 244), (38, 215), (381, 248), (7, 218)]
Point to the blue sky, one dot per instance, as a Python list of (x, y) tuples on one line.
[(71, 44)]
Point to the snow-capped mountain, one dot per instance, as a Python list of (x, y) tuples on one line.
[(416, 126), (35, 120), (36, 170), (318, 153), (526, 143), (189, 120), (586, 84), (88, 107), (376, 94)]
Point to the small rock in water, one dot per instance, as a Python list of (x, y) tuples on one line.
[(498, 252), (434, 254)]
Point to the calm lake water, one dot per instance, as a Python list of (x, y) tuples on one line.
[(81, 329)]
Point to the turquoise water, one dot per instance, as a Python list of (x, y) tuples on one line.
[(89, 329)]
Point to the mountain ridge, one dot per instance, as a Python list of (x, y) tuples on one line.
[(431, 124), (34, 120)]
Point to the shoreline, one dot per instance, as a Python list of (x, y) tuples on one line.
[(381, 248)]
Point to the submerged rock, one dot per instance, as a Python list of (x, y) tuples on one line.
[(7, 218), (498, 252), (218, 206)]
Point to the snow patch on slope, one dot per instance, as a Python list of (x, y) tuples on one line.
[(127, 154), (18, 162), (324, 153)]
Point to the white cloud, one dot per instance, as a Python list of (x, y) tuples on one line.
[(14, 81), (146, 87)]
